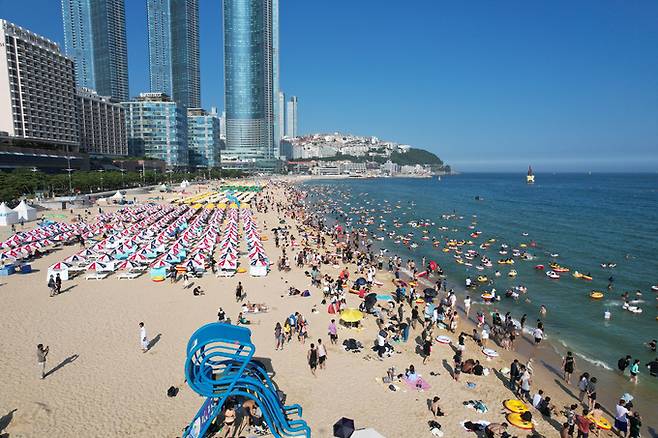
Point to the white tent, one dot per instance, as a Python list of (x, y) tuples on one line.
[(117, 196), (26, 212), (7, 215)]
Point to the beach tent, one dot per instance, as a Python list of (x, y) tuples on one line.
[(7, 215), (59, 268), (118, 196), (25, 212)]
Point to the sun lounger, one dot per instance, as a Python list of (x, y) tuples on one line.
[(129, 275), (97, 276)]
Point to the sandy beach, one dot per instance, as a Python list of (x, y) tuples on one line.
[(100, 384)]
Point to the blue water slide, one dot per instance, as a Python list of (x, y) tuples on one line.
[(220, 365)]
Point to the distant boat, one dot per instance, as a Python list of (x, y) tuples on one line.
[(530, 179)]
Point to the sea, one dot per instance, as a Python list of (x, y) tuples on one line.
[(579, 221)]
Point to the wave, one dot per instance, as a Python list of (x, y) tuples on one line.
[(595, 362), (598, 363)]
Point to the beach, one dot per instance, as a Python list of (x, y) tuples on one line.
[(100, 383)]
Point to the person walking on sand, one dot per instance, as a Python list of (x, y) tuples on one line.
[(591, 393), (58, 284), (322, 354), (42, 354), (278, 336), (568, 365), (333, 332), (312, 358), (52, 286), (143, 339), (238, 292), (427, 348)]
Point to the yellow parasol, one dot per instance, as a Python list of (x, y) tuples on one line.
[(351, 315)]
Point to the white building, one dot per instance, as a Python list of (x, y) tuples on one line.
[(37, 88), (291, 117)]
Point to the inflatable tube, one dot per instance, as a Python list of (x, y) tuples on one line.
[(241, 270), (487, 297), (654, 288), (515, 406), (515, 420), (489, 352), (157, 279), (443, 339), (596, 295), (601, 423)]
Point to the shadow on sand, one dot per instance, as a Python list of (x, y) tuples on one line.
[(62, 364)]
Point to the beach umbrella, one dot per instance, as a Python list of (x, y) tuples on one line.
[(360, 281), (351, 315), (74, 259), (60, 266), (344, 428), (127, 265), (96, 266)]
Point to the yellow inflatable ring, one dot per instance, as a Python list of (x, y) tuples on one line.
[(601, 423), (515, 406), (595, 294), (157, 279), (241, 270), (515, 420)]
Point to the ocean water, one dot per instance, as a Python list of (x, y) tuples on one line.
[(585, 219)]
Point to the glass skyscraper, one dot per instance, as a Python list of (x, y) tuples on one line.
[(173, 29), (203, 138), (156, 127), (95, 37), (251, 79)]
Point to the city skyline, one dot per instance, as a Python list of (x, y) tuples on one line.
[(499, 86)]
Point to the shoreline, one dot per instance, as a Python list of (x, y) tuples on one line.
[(547, 360)]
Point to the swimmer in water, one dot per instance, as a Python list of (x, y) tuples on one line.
[(542, 310)]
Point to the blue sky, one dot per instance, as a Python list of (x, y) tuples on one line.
[(486, 85)]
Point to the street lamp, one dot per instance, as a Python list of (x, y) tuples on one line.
[(69, 170), (101, 172), (123, 181)]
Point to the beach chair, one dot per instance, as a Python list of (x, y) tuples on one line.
[(129, 275), (97, 276), (219, 365)]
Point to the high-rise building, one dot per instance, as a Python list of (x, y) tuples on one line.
[(102, 124), (173, 29), (251, 79), (291, 117), (37, 89), (281, 116), (222, 126), (156, 127), (95, 37), (203, 138)]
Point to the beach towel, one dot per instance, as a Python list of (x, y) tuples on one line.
[(478, 405), (418, 384)]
